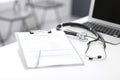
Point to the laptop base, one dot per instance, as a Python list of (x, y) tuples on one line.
[(110, 35)]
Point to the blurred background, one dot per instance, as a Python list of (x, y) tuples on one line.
[(26, 15)]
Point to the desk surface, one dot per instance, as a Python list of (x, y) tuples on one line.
[(11, 67)]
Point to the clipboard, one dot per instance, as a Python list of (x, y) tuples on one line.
[(45, 49)]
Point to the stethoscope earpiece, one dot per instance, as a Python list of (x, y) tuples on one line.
[(90, 58), (99, 57)]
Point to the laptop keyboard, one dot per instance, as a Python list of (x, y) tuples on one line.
[(103, 29)]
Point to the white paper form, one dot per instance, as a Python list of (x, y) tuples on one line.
[(47, 49)]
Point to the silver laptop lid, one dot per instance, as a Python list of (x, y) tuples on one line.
[(105, 12)]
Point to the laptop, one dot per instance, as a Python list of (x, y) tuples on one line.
[(104, 17)]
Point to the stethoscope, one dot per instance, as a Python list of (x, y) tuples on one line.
[(98, 37)]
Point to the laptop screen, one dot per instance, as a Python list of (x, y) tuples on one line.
[(107, 10)]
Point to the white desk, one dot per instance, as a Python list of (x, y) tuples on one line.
[(11, 67)]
